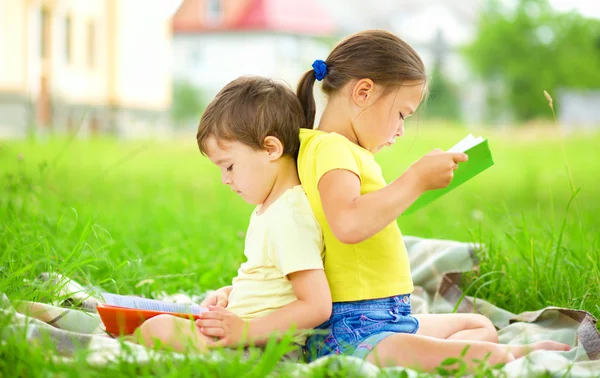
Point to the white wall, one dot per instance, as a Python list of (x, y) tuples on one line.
[(211, 60), (144, 47), (12, 44), (76, 80)]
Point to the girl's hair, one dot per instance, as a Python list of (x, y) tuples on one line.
[(374, 54)]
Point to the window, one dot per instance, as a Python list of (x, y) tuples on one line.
[(214, 10), (68, 37), (91, 43)]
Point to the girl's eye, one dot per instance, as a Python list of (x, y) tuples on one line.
[(402, 116), (230, 168)]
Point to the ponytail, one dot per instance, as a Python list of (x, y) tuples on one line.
[(375, 54), (307, 98)]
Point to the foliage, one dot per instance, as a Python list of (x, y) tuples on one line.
[(532, 48)]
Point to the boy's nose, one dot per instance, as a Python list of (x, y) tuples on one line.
[(225, 179)]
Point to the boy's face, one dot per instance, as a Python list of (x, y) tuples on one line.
[(249, 172)]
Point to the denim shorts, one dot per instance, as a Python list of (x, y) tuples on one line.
[(355, 328)]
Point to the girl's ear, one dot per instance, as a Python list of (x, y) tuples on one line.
[(363, 92), (274, 147)]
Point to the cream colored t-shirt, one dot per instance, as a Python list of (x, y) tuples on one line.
[(286, 238)]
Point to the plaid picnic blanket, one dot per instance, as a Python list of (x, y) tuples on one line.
[(437, 267)]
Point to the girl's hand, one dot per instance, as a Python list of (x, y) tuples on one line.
[(218, 298), (436, 169), (230, 329)]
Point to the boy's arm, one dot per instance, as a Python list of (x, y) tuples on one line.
[(354, 218), (312, 308)]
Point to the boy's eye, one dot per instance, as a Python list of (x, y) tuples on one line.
[(401, 116), (230, 168)]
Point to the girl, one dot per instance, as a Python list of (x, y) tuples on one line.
[(374, 81)]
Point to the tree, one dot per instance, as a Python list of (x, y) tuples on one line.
[(532, 48), (443, 99), (188, 103)]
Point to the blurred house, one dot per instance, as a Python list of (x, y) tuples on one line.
[(216, 41), (98, 64)]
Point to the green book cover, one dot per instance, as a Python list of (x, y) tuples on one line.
[(480, 159)]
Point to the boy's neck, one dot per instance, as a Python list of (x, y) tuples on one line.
[(287, 178), (336, 119)]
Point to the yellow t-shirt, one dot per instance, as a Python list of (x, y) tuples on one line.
[(375, 268), (286, 238)]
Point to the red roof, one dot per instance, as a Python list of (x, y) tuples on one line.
[(289, 16)]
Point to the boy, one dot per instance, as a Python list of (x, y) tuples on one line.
[(251, 132)]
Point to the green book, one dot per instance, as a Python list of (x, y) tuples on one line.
[(480, 159)]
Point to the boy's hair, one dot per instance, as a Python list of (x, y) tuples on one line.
[(249, 109), (374, 54)]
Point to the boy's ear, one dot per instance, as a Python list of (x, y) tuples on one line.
[(363, 92), (273, 146)]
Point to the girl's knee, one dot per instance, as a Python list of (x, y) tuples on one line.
[(487, 327)]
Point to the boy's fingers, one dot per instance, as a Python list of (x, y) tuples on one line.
[(211, 314), (213, 331), (208, 302), (218, 310), (219, 343), (221, 302), (209, 323)]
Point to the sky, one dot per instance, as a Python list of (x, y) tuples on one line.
[(588, 8)]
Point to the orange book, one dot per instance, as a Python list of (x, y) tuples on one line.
[(122, 314)]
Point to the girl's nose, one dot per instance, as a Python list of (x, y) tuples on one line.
[(400, 131)]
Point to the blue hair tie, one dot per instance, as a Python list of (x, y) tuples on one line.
[(320, 68)]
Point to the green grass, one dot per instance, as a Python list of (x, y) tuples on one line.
[(112, 213)]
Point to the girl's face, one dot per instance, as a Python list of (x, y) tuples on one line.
[(382, 119)]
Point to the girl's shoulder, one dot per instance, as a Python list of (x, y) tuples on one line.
[(315, 139)]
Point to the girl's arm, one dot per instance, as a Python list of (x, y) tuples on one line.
[(354, 218)]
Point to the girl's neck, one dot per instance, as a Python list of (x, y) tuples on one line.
[(336, 119)]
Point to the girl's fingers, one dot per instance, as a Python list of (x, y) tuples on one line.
[(459, 157)]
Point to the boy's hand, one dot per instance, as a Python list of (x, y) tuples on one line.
[(218, 298), (436, 169), (230, 329)]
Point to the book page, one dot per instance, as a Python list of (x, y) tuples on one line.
[(466, 143), (151, 304)]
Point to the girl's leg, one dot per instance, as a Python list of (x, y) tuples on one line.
[(426, 353), (179, 334), (457, 327)]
